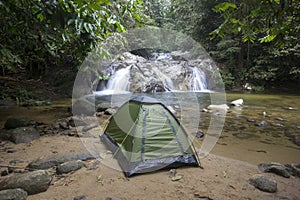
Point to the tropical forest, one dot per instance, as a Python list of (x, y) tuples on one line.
[(145, 99)]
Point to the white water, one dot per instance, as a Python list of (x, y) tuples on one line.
[(119, 81), (197, 80)]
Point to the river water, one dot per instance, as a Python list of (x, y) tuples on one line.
[(240, 137), (275, 141)]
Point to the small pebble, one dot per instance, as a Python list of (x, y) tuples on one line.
[(80, 197), (279, 119), (250, 120), (262, 123), (199, 134), (11, 150), (277, 125)]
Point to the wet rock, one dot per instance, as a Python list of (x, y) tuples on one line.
[(63, 125), (275, 168), (80, 197), (76, 121), (278, 125), (89, 127), (262, 124), (245, 135), (83, 107), (99, 114), (294, 169), (279, 119), (20, 135), (32, 182), (237, 102), (69, 166), (296, 140), (218, 107), (13, 194), (289, 108), (54, 160), (251, 120), (110, 111), (12, 123), (263, 183), (103, 106)]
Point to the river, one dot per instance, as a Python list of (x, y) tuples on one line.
[(240, 137)]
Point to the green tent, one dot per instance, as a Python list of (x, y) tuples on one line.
[(145, 136)]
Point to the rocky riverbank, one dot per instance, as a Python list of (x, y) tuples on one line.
[(56, 163)]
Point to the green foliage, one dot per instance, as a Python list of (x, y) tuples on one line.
[(227, 78), (22, 95), (261, 20), (42, 34)]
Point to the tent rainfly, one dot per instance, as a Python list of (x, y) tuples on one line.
[(145, 136)]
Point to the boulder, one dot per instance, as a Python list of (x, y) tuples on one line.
[(63, 125), (263, 183), (57, 159), (296, 140), (76, 121), (275, 168), (237, 102), (83, 107), (90, 126), (20, 135), (69, 166), (293, 169), (218, 107), (12, 123), (110, 111), (101, 107), (32, 182), (13, 194)]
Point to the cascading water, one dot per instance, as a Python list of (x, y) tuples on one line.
[(167, 72), (197, 80), (119, 81)]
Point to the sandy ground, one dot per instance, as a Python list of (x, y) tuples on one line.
[(222, 178)]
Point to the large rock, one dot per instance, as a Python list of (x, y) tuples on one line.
[(32, 182), (275, 168), (20, 135), (296, 140), (12, 123), (294, 169), (156, 75), (237, 102), (13, 194), (57, 159), (69, 166), (263, 183), (76, 121), (83, 107), (101, 107)]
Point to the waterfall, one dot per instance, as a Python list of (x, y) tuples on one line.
[(119, 81), (198, 80)]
